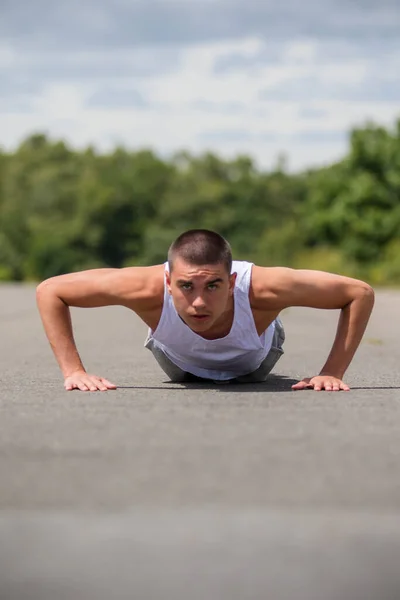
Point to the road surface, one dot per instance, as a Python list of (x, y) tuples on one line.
[(168, 491)]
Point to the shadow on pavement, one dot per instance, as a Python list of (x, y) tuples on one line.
[(274, 383), (376, 387)]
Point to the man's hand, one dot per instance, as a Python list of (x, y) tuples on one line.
[(322, 382), (87, 383)]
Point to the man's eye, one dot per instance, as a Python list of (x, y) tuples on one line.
[(186, 286), (212, 286)]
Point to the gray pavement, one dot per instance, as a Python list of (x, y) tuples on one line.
[(159, 490)]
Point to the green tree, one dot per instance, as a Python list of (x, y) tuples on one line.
[(62, 210), (354, 206)]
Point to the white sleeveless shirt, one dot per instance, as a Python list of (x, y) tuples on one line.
[(238, 353)]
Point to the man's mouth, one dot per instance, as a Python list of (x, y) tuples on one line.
[(200, 317)]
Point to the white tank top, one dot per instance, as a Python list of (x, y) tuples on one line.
[(238, 353)]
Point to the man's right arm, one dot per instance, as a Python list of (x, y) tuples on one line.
[(137, 288)]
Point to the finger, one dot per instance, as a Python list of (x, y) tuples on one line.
[(299, 386), (345, 387), (92, 383), (335, 387), (317, 387), (82, 386), (99, 385), (70, 386), (328, 387), (302, 385), (92, 387), (107, 383)]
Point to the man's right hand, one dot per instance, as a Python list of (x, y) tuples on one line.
[(87, 383)]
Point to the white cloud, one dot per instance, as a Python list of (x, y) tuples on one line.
[(7, 55), (61, 102), (299, 97), (302, 51)]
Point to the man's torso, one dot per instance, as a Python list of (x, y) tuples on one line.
[(150, 309)]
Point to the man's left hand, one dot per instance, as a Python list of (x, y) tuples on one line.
[(322, 382)]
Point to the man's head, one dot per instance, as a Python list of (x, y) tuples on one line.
[(199, 277)]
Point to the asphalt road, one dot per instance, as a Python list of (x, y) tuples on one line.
[(189, 492)]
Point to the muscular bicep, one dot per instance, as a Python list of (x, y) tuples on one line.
[(283, 287), (131, 286)]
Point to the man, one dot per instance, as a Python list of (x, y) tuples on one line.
[(209, 317)]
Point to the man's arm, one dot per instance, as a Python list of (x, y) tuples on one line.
[(281, 288), (134, 287)]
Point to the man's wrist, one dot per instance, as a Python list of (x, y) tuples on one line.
[(69, 372), (331, 373)]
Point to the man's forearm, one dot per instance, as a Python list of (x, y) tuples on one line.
[(353, 321), (56, 319)]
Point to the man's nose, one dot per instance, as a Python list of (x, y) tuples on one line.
[(198, 302)]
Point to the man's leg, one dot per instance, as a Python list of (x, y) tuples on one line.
[(175, 373), (270, 360)]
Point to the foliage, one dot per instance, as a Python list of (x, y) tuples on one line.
[(62, 210)]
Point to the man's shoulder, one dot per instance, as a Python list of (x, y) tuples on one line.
[(270, 278), (269, 285), (149, 273), (142, 286)]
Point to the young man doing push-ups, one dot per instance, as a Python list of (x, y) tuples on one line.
[(209, 317)]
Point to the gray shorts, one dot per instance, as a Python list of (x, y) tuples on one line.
[(177, 374)]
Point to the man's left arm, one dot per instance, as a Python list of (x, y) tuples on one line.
[(318, 289)]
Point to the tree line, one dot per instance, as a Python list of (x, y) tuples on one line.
[(63, 210)]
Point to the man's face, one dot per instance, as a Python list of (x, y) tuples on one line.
[(201, 294)]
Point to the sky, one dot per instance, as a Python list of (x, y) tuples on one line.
[(257, 77)]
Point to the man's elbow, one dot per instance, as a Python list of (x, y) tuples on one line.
[(365, 291), (46, 289), (43, 286)]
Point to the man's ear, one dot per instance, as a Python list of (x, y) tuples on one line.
[(232, 281), (168, 281)]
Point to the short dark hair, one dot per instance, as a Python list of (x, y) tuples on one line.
[(201, 247)]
